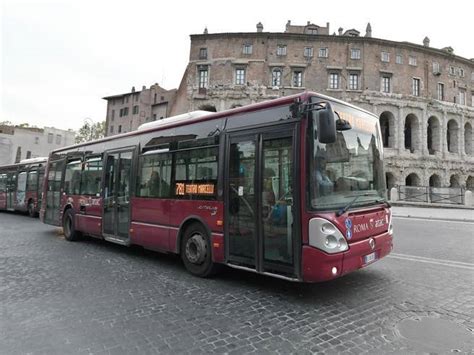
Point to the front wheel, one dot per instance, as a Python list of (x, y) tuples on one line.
[(196, 251), (70, 232)]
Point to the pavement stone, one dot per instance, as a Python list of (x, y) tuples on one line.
[(93, 297)]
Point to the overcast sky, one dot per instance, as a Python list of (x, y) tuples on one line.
[(59, 58)]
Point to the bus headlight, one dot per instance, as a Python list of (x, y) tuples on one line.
[(390, 225), (325, 236)]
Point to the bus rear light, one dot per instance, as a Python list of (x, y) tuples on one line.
[(216, 245), (219, 222)]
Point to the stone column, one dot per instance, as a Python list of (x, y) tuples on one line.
[(443, 132), (400, 134), (462, 148), (424, 134)]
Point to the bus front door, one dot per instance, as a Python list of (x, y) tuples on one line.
[(116, 215), (11, 190), (259, 184), (53, 193)]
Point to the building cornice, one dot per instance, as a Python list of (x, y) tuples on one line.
[(333, 38)]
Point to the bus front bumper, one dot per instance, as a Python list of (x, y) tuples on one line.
[(319, 266)]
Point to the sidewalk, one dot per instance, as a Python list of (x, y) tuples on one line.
[(447, 214)]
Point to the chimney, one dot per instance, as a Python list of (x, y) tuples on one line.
[(133, 88), (259, 27), (308, 23), (144, 87), (368, 30), (327, 26), (340, 31), (426, 41), (205, 30)]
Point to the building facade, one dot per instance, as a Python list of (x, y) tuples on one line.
[(18, 143), (125, 112), (423, 96)]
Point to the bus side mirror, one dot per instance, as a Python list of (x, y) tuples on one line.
[(326, 124)]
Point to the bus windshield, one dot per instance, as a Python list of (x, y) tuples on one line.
[(351, 168)]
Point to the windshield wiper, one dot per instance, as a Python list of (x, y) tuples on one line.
[(344, 209)]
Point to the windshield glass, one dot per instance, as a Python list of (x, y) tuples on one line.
[(352, 166)]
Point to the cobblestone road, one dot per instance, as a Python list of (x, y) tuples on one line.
[(94, 297)]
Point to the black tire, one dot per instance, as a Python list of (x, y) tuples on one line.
[(70, 232), (31, 209), (196, 251)]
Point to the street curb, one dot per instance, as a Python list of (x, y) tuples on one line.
[(435, 218)]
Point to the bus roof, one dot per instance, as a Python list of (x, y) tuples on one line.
[(198, 116)]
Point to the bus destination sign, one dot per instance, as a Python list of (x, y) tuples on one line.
[(183, 188)]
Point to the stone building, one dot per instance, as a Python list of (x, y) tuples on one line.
[(125, 112), (424, 96), (18, 143)]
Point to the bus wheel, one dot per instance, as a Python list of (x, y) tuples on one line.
[(196, 251), (31, 209), (69, 230)]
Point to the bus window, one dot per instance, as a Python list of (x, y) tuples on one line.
[(3, 182), (91, 176), (32, 182), (196, 173), (154, 178), (21, 189), (72, 178)]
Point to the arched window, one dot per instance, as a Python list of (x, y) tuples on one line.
[(468, 138), (390, 182), (433, 135), (470, 183), (435, 180), (452, 136), (411, 131), (387, 127), (454, 181), (412, 180)]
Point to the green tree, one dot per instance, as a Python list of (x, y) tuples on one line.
[(90, 131)]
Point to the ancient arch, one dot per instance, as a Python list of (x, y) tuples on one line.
[(435, 180), (454, 181), (390, 182), (208, 107), (433, 135), (411, 132), (468, 138), (387, 127), (452, 136), (412, 180), (470, 183)]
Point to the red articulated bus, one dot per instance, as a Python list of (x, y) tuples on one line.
[(293, 188), (21, 184)]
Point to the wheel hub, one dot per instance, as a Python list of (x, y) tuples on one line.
[(196, 249)]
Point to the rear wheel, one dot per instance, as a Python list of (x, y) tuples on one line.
[(69, 229), (196, 251)]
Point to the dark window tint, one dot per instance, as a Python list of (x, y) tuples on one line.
[(154, 176), (72, 177), (32, 184), (91, 176)]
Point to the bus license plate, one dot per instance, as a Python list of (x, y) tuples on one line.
[(369, 258)]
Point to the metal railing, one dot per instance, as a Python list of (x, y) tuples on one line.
[(428, 194)]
